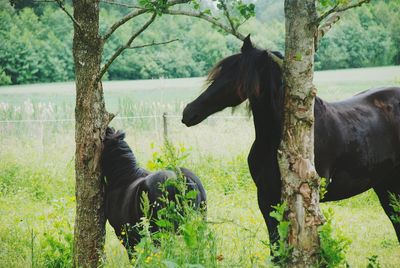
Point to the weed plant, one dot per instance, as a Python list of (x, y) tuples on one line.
[(184, 237)]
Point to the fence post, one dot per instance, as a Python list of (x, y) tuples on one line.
[(165, 126)]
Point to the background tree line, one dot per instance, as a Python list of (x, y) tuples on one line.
[(36, 46)]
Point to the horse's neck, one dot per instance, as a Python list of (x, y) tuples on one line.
[(262, 157), (125, 171), (267, 123)]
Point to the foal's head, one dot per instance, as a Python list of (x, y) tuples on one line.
[(232, 81), (117, 157)]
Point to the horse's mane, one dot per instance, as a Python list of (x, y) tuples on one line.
[(250, 70), (254, 74), (119, 162)]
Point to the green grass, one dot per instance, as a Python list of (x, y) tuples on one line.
[(37, 175)]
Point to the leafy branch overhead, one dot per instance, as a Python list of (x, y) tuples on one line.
[(127, 45), (235, 13), (226, 16), (331, 11)]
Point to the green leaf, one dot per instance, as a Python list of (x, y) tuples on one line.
[(298, 56), (191, 194), (283, 228), (207, 11), (164, 223), (189, 235)]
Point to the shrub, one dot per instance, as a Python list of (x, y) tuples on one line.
[(280, 250), (4, 78), (184, 237), (334, 243), (395, 204), (56, 244)]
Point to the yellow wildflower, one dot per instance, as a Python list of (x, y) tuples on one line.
[(148, 259)]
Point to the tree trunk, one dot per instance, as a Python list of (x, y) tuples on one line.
[(91, 121), (300, 182)]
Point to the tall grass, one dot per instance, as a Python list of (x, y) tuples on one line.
[(37, 189), (37, 197)]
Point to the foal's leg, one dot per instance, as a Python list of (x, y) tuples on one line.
[(383, 192)]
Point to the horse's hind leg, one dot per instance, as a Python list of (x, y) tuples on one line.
[(383, 192)]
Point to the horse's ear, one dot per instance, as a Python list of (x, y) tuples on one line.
[(111, 134), (247, 45), (110, 131)]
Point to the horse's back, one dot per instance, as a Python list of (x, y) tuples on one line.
[(358, 140), (380, 91), (386, 104), (194, 183), (121, 203)]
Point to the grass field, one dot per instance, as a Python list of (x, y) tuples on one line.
[(37, 175)]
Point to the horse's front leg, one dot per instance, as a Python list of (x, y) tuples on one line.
[(268, 195), (264, 170)]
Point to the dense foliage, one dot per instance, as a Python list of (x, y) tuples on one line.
[(368, 36), (36, 41)]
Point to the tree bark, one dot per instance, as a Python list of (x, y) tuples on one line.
[(91, 120), (300, 182)]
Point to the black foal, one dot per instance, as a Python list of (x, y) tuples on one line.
[(126, 182)]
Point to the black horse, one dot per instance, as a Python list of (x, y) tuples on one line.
[(125, 184), (357, 141)]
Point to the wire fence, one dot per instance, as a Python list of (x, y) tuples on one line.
[(217, 134), (165, 119), (165, 115)]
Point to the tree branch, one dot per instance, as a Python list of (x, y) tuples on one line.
[(228, 16), (127, 45), (177, 2), (333, 15), (154, 44), (111, 2), (220, 25), (326, 14), (342, 9), (60, 4), (210, 19), (323, 29), (139, 11), (338, 9), (122, 21)]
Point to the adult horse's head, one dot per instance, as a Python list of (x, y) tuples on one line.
[(232, 81)]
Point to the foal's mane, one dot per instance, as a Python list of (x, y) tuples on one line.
[(111, 134), (118, 158)]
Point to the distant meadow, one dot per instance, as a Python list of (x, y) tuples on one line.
[(37, 171)]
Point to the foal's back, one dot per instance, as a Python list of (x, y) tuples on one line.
[(127, 183)]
